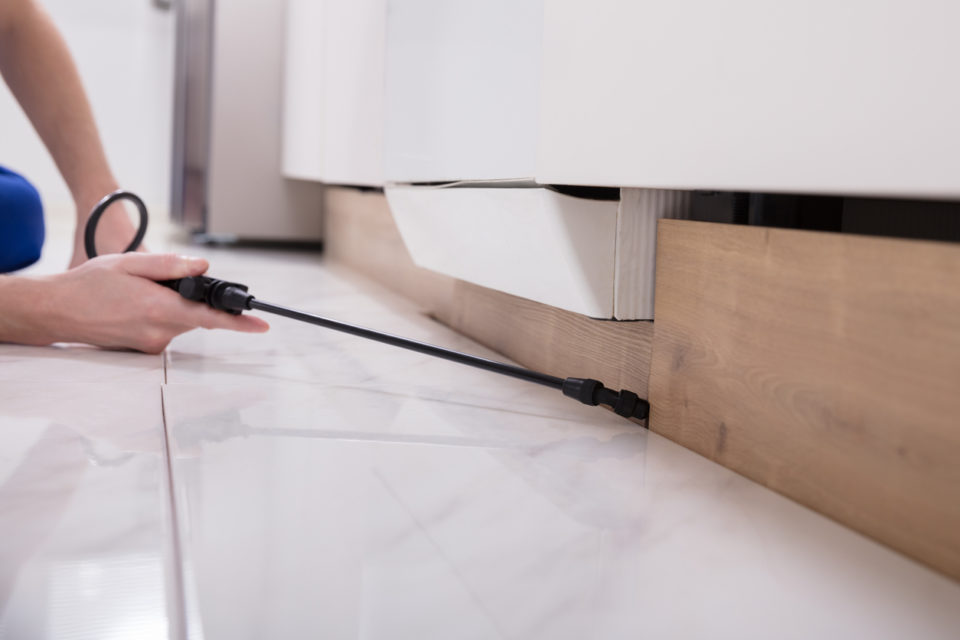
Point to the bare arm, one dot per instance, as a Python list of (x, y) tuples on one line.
[(39, 70), (114, 300)]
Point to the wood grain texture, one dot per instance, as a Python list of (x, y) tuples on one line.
[(361, 234), (824, 366), (548, 339)]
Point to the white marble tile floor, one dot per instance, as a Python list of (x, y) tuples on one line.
[(308, 484)]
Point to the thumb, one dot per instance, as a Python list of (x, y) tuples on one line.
[(162, 266)]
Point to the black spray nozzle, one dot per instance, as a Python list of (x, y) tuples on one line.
[(624, 403), (226, 296)]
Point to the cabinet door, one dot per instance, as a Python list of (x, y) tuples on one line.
[(462, 87), (333, 110), (852, 97)]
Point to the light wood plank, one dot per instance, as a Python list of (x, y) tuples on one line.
[(824, 366)]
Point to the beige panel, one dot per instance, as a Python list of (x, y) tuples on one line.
[(247, 195)]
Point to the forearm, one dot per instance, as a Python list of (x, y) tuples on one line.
[(22, 312), (40, 72)]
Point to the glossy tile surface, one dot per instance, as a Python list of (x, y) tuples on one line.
[(71, 363), (330, 487), (84, 511), (418, 518), (326, 486)]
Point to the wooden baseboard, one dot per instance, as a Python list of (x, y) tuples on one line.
[(824, 366), (360, 233)]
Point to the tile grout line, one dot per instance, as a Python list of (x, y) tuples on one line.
[(178, 627)]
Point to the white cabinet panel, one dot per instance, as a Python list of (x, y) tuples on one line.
[(354, 37), (462, 87), (807, 96), (594, 257), (530, 242), (303, 150), (333, 118)]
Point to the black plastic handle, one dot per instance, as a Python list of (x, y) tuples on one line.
[(231, 297)]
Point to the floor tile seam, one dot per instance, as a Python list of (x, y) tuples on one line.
[(178, 625)]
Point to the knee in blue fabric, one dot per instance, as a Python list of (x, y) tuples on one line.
[(21, 222)]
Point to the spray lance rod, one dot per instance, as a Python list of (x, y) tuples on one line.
[(234, 298)]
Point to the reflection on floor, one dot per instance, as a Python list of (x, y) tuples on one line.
[(323, 486)]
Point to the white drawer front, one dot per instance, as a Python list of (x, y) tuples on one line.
[(529, 242)]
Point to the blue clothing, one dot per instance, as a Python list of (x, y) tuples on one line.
[(21, 222)]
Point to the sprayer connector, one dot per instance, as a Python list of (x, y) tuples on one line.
[(592, 392), (226, 296)]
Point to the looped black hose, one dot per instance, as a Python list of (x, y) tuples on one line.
[(90, 231)]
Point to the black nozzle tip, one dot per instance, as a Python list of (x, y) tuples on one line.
[(229, 297), (582, 389), (630, 405), (233, 298), (592, 392)]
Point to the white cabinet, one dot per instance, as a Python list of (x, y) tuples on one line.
[(462, 88), (654, 98), (591, 256), (815, 96), (333, 91), (463, 108)]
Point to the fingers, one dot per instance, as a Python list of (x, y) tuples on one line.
[(200, 315), (161, 266), (193, 316)]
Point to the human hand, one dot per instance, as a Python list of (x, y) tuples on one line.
[(114, 301)]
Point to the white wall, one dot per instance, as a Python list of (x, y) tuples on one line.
[(124, 50)]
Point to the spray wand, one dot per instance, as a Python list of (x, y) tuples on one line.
[(234, 298)]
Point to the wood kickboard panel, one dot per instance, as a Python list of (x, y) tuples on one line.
[(824, 366)]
